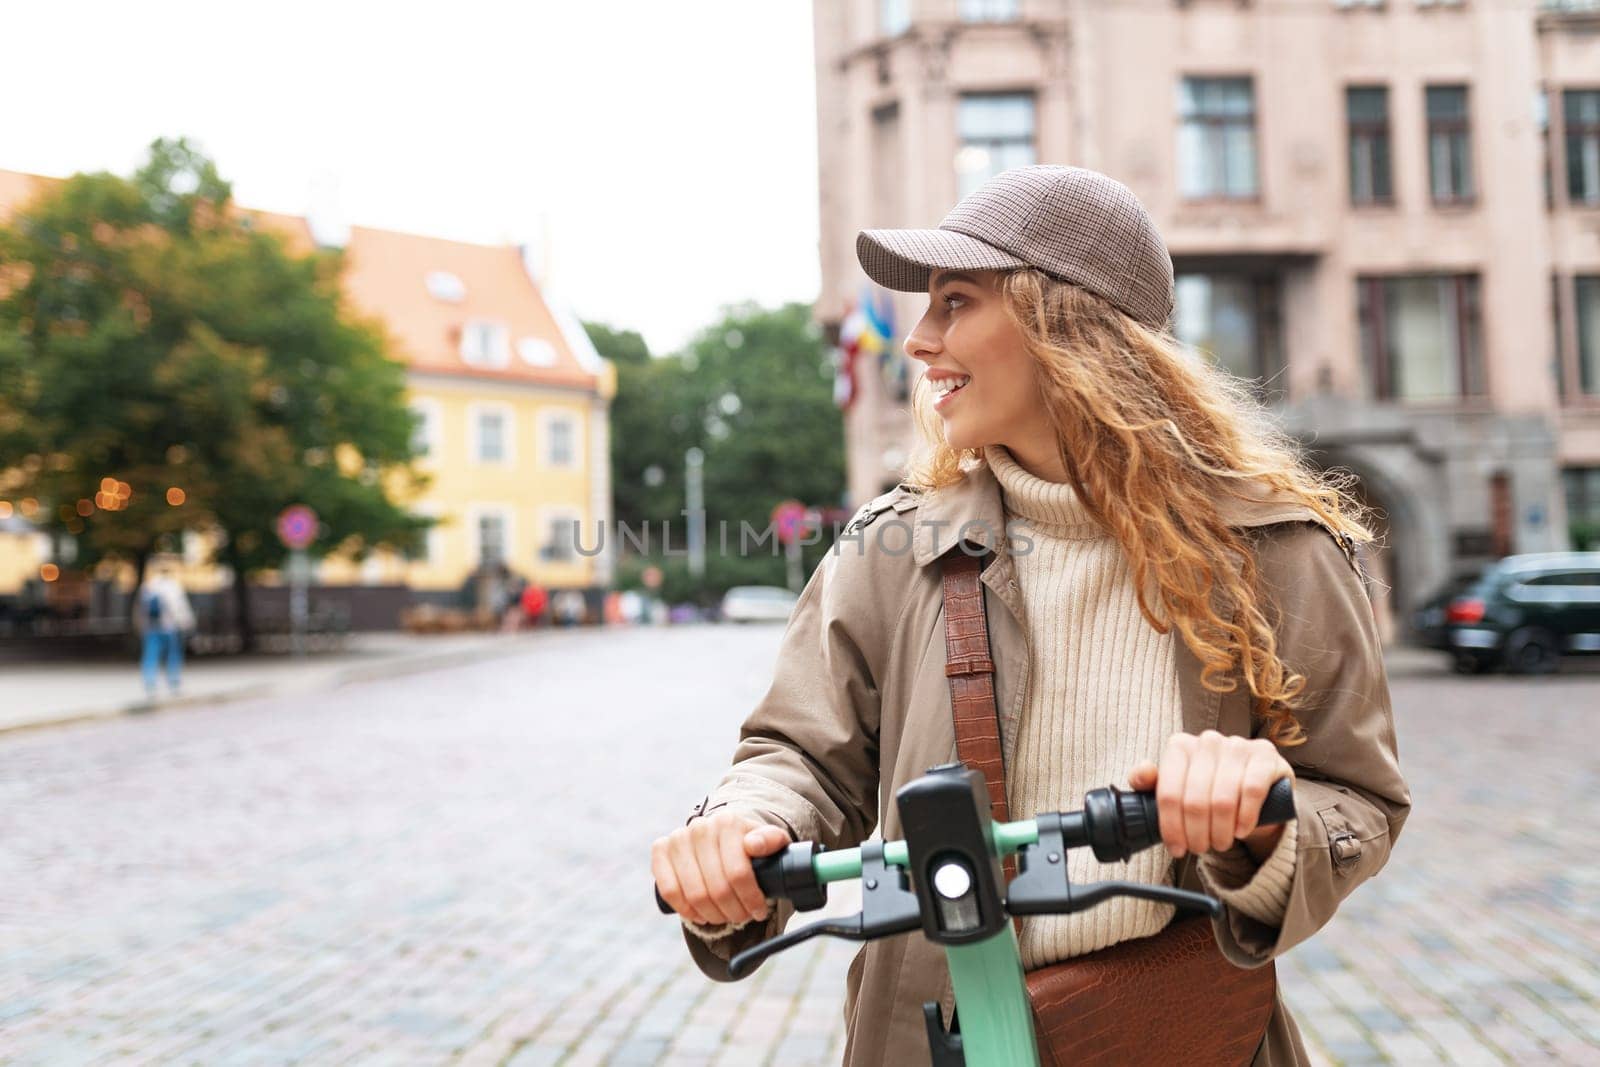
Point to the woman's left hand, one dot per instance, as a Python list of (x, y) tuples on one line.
[(1209, 790)]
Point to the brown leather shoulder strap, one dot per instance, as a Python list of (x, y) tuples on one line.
[(970, 669)]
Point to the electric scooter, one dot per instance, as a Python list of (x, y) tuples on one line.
[(954, 848)]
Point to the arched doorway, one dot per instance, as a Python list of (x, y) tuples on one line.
[(1395, 486)]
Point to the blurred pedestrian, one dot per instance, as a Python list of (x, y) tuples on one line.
[(568, 607), (534, 599), (162, 613), (511, 605)]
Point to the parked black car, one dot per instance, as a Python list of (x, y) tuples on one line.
[(1428, 620), (1525, 612)]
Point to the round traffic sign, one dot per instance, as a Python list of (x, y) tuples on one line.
[(297, 527), (790, 519)]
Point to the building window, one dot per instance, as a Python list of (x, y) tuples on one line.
[(1582, 485), (537, 352), (1449, 144), (887, 165), (560, 440), (1217, 138), (486, 344), (996, 131), (1581, 115), (1420, 336), (1367, 112), (427, 548), (1541, 119), (561, 538), (492, 435), (425, 435), (1234, 320), (894, 17), (987, 10), (1587, 293), (492, 537), (1558, 349), (442, 285)]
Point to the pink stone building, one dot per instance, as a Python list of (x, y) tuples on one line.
[(1387, 213)]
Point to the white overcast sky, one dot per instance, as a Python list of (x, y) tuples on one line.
[(668, 149)]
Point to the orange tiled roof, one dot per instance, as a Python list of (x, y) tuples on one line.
[(16, 189), (386, 276)]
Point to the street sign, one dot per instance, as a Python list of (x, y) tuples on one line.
[(789, 517), (297, 527)]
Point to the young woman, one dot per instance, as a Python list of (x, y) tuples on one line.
[(1173, 602)]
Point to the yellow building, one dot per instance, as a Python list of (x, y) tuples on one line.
[(514, 407)]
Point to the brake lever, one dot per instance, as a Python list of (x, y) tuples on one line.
[(1087, 896), (750, 958), (888, 907)]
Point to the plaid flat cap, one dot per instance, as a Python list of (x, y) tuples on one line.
[(1074, 224)]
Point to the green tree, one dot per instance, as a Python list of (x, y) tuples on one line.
[(650, 425), (151, 339), (753, 391)]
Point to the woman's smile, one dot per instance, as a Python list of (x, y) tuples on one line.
[(945, 390)]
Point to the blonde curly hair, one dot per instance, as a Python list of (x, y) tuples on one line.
[(1141, 422)]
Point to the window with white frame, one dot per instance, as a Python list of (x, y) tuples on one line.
[(492, 530), (1217, 138), (560, 541), (442, 285), (428, 547), (491, 434), (987, 10), (485, 343), (425, 436), (536, 352), (894, 17), (561, 445), (997, 133)]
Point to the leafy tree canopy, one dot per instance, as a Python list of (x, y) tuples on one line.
[(753, 391), (153, 338)]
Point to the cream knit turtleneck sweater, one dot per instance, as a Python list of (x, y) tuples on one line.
[(1102, 696)]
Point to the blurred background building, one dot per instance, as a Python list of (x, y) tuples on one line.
[(513, 404), (1387, 212)]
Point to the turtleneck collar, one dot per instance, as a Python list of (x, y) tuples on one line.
[(1054, 507)]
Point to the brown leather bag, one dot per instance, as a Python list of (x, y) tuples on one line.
[(1170, 998)]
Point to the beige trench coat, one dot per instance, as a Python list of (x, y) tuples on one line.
[(860, 705)]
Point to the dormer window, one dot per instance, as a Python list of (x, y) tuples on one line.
[(485, 344), (442, 285), (536, 352)]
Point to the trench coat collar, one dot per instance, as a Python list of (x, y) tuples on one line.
[(973, 510)]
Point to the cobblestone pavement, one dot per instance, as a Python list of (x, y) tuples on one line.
[(452, 869)]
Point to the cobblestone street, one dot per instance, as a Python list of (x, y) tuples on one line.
[(453, 868)]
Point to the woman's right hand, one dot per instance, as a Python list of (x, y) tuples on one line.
[(703, 869)]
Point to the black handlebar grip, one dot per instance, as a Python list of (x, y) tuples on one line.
[(769, 873), (1279, 805), (774, 881), (1118, 823)]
